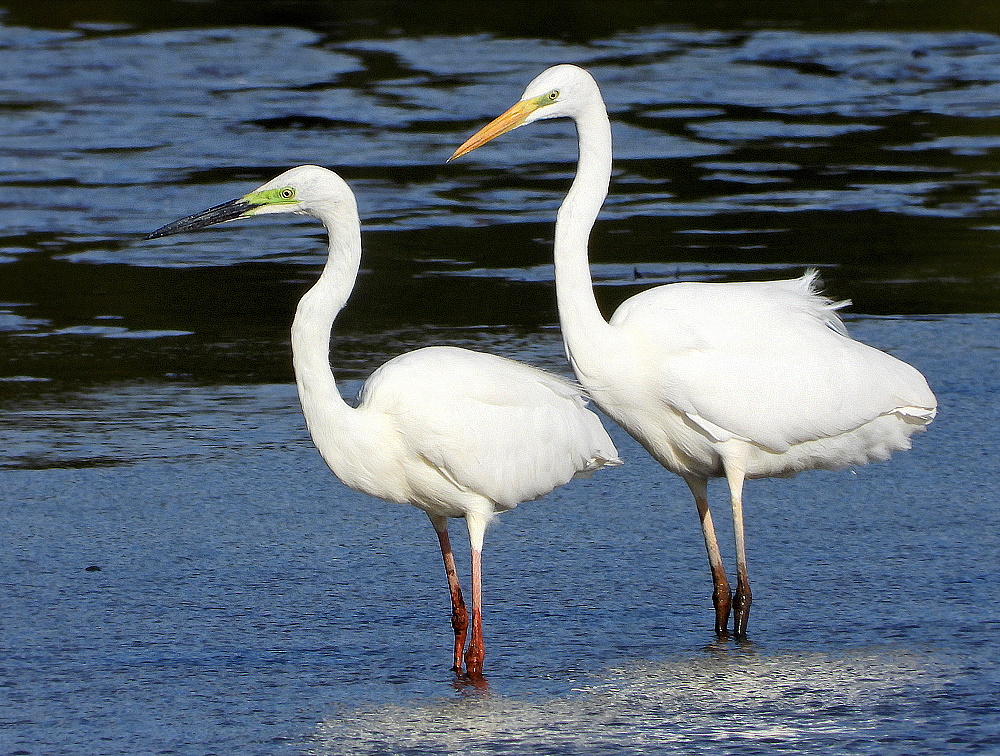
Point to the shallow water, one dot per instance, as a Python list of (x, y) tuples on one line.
[(245, 602), (248, 603)]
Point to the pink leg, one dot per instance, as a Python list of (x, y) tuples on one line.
[(476, 652), (459, 615)]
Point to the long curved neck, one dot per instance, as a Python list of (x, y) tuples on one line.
[(580, 318), (316, 311)]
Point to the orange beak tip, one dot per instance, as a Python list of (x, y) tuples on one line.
[(508, 121)]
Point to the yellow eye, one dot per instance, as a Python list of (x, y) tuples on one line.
[(287, 193), (553, 95)]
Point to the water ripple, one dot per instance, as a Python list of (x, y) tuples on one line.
[(726, 703)]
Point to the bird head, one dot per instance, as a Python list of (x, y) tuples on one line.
[(299, 190), (556, 92)]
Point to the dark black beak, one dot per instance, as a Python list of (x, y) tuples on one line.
[(227, 211)]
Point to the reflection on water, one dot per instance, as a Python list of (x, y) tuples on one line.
[(640, 276), (740, 155), (257, 606), (109, 134), (141, 423), (729, 701), (46, 427)]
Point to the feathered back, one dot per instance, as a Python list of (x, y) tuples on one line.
[(491, 425), (769, 362)]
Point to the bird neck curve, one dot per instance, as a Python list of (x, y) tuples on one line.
[(580, 318), (317, 310)]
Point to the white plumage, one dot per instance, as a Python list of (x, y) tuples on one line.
[(740, 380), (492, 428), (787, 376), (454, 432)]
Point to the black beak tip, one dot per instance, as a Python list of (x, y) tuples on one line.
[(227, 211)]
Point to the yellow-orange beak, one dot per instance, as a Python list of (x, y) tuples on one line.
[(508, 121)]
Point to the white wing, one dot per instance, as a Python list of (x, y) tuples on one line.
[(767, 362), (491, 425)]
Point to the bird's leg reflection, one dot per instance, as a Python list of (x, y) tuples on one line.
[(471, 687), (459, 614), (721, 595), (724, 647)]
